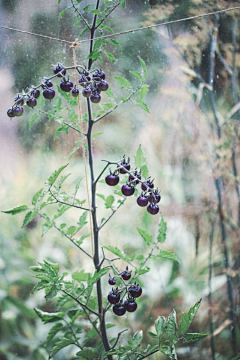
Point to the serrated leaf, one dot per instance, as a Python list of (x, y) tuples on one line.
[(143, 105), (45, 228), (139, 159), (82, 219), (143, 91), (80, 276), (61, 129), (188, 318), (110, 56), (54, 175), (116, 251), (145, 171), (123, 82), (193, 337), (167, 255), (170, 351), (172, 323), (29, 217), (137, 75), (97, 276), (162, 229), (53, 331), (107, 28), (152, 334), (145, 235), (109, 201), (160, 324), (36, 197), (122, 3), (114, 42), (49, 317), (143, 66), (62, 13), (16, 210), (33, 118), (62, 343)]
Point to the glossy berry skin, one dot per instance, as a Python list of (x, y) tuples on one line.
[(47, 84), (128, 190), (99, 74), (135, 291), (119, 309), (57, 69), (87, 92), (82, 79), (95, 98), (88, 77), (49, 94), (155, 199), (10, 113), (112, 179), (66, 86), (19, 100), (75, 92), (103, 86), (149, 184), (113, 297), (126, 274), (153, 2), (142, 200), (35, 93), (130, 305), (125, 165), (31, 102), (18, 111), (153, 209), (112, 280)]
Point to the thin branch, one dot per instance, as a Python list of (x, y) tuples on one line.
[(81, 304), (76, 340), (81, 16), (114, 211), (92, 322), (221, 58), (66, 203), (119, 334), (113, 8), (99, 176)]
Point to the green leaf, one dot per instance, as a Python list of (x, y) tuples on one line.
[(123, 82), (110, 56), (87, 7), (139, 159), (114, 42), (16, 210), (143, 66), (137, 339), (109, 202), (87, 353), (97, 276), (145, 171), (62, 13), (140, 257), (97, 134), (107, 28), (162, 228), (143, 91), (62, 343), (82, 32), (33, 118), (164, 254), (122, 3), (142, 271), (170, 351), (160, 324), (36, 197), (45, 228), (94, 55), (61, 129), (95, 12), (124, 99), (49, 317), (82, 219), (71, 230), (116, 251), (193, 337), (188, 318), (153, 335), (172, 323), (54, 175), (101, 196), (136, 74), (80, 276), (143, 105), (53, 331), (29, 217), (145, 235)]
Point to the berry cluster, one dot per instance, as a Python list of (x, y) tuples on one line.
[(93, 84), (133, 292), (149, 196)]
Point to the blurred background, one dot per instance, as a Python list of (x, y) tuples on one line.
[(185, 156)]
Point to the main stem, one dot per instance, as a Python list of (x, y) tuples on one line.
[(93, 202)]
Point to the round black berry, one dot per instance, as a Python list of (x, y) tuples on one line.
[(126, 274), (95, 98), (57, 70), (114, 297), (31, 102), (154, 197), (75, 92), (19, 100), (119, 309), (135, 174), (153, 208), (111, 280), (103, 86), (99, 74), (124, 164), (47, 84), (18, 111), (10, 113), (142, 200), (35, 93), (49, 94), (87, 92), (149, 184), (112, 179), (66, 85), (128, 189), (135, 290), (130, 305)]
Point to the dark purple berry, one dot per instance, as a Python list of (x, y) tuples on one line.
[(130, 305), (135, 291), (153, 208), (19, 100), (57, 69), (18, 111), (126, 274), (111, 280), (124, 164), (135, 174), (31, 102), (95, 98), (128, 189), (154, 197), (114, 297), (47, 84), (119, 309), (66, 85), (99, 74), (88, 78), (112, 179), (82, 79), (87, 92), (142, 200), (75, 92), (103, 86), (35, 93), (49, 94), (10, 113), (149, 183)]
